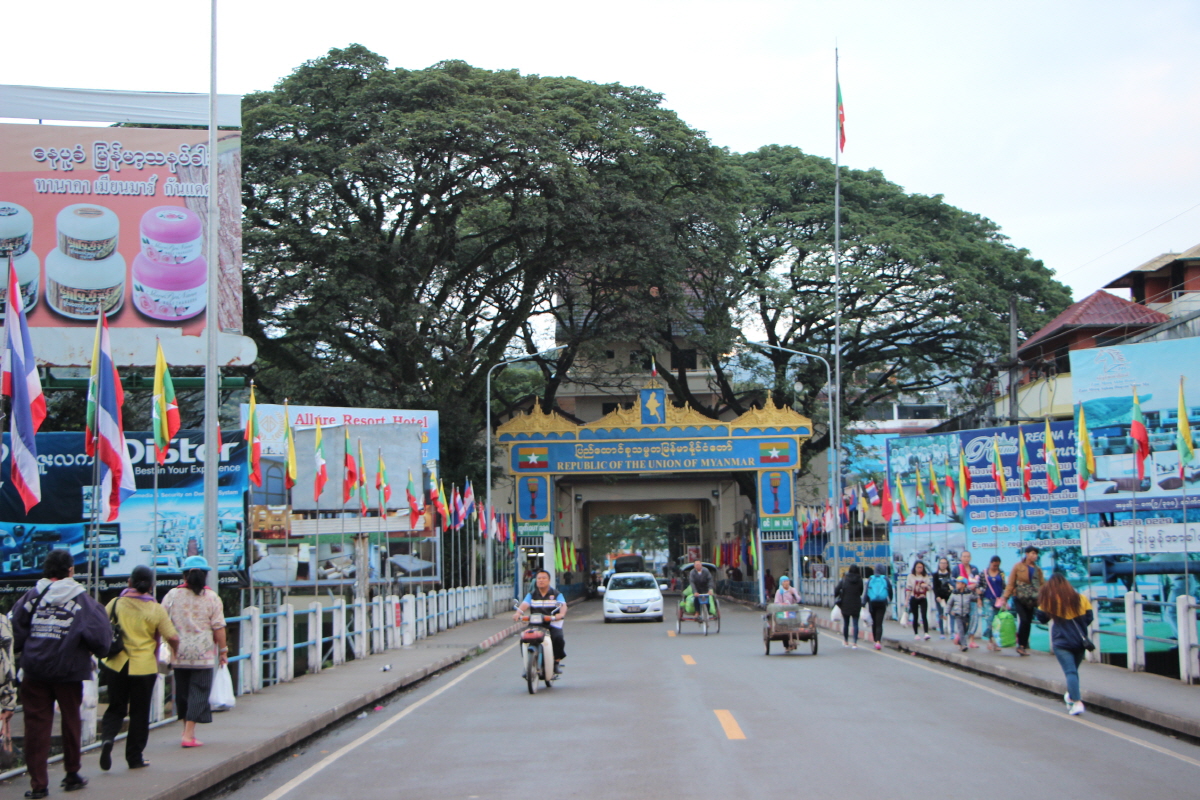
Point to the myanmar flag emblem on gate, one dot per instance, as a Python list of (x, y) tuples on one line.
[(774, 453), (532, 458)]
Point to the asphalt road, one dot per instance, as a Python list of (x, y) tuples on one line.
[(641, 713)]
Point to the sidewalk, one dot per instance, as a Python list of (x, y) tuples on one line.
[(273, 720), (1165, 703)]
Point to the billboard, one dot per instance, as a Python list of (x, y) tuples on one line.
[(114, 221), (153, 529), (301, 539)]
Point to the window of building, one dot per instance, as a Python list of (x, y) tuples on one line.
[(610, 354), (683, 359), (639, 360)]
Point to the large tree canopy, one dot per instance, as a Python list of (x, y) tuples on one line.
[(403, 226)]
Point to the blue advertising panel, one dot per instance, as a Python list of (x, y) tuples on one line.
[(775, 500), (141, 534), (533, 499)]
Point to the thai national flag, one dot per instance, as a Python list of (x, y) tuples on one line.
[(872, 492), (105, 432), (22, 384)]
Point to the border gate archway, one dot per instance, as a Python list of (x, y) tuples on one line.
[(673, 457)]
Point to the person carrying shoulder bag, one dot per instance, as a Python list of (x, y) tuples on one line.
[(1024, 584)]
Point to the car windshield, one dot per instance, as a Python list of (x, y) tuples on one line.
[(639, 582)]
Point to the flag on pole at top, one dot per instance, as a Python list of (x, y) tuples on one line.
[(105, 431), (1085, 459), (950, 488), (349, 472), (1025, 468), (841, 117), (362, 480), (998, 467), (410, 493), (440, 500), (1053, 473), (935, 490), (903, 508), (253, 438), (320, 472), (872, 492), (289, 463), (381, 481), (1138, 432), (1183, 434), (964, 478), (164, 409), (885, 501), (920, 495), (23, 386)]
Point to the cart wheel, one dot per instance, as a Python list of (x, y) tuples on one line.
[(704, 624), (767, 646), (814, 641), (679, 624)]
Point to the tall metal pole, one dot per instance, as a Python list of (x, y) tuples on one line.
[(836, 420), (212, 377), (487, 416)]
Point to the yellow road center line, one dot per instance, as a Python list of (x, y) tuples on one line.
[(670, 633), (1037, 707), (689, 660), (729, 724)]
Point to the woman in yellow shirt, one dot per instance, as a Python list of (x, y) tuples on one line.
[(132, 672)]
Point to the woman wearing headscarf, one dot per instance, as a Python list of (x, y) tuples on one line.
[(786, 595), (131, 673), (197, 614)]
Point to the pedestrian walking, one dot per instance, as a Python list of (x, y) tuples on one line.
[(769, 583), (1071, 613), (964, 601), (877, 596), (196, 612), (847, 596), (131, 674), (1024, 586), (917, 588), (57, 628), (943, 586), (992, 600)]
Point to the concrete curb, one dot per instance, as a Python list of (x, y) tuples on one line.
[(1150, 716), (269, 748)]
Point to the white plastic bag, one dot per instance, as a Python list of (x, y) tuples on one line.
[(221, 698), (836, 614)]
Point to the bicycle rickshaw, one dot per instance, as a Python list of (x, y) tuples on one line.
[(708, 615)]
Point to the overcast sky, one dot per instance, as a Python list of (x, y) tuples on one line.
[(1074, 125)]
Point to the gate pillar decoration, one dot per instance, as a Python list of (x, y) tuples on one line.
[(654, 437)]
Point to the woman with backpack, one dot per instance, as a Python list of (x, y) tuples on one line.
[(132, 673), (916, 589), (876, 597), (1071, 613), (847, 596), (993, 600), (943, 584)]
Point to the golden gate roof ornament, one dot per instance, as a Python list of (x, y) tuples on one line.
[(773, 420)]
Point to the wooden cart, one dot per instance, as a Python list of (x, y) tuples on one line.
[(790, 625)]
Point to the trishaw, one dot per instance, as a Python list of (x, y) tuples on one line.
[(791, 625), (708, 615)]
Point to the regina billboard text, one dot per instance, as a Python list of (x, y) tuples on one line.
[(142, 534), (114, 221)]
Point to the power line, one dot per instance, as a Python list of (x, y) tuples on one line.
[(1134, 239)]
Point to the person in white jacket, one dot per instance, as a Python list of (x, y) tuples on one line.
[(917, 588)]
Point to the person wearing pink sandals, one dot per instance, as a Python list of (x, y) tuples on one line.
[(198, 615)]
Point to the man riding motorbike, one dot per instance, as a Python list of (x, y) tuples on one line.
[(545, 599)]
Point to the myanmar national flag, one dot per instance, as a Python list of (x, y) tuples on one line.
[(904, 512), (165, 409), (350, 473), (1183, 434), (533, 457), (1085, 459), (1053, 473), (964, 478), (774, 453), (920, 496), (1137, 430), (289, 461), (320, 472), (1024, 465), (254, 441), (935, 493), (998, 467), (362, 480), (383, 487), (442, 500), (950, 488)]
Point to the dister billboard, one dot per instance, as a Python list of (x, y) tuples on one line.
[(152, 530), (115, 221)]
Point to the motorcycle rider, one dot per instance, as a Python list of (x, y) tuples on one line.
[(545, 599)]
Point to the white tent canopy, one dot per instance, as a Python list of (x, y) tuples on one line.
[(101, 105)]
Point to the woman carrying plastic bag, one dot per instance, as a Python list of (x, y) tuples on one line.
[(200, 619)]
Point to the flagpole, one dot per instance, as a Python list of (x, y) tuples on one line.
[(92, 549), (212, 375), (342, 507), (837, 314)]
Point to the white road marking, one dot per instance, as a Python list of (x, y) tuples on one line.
[(380, 728), (1035, 706)]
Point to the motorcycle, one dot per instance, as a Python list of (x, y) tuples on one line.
[(537, 651)]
